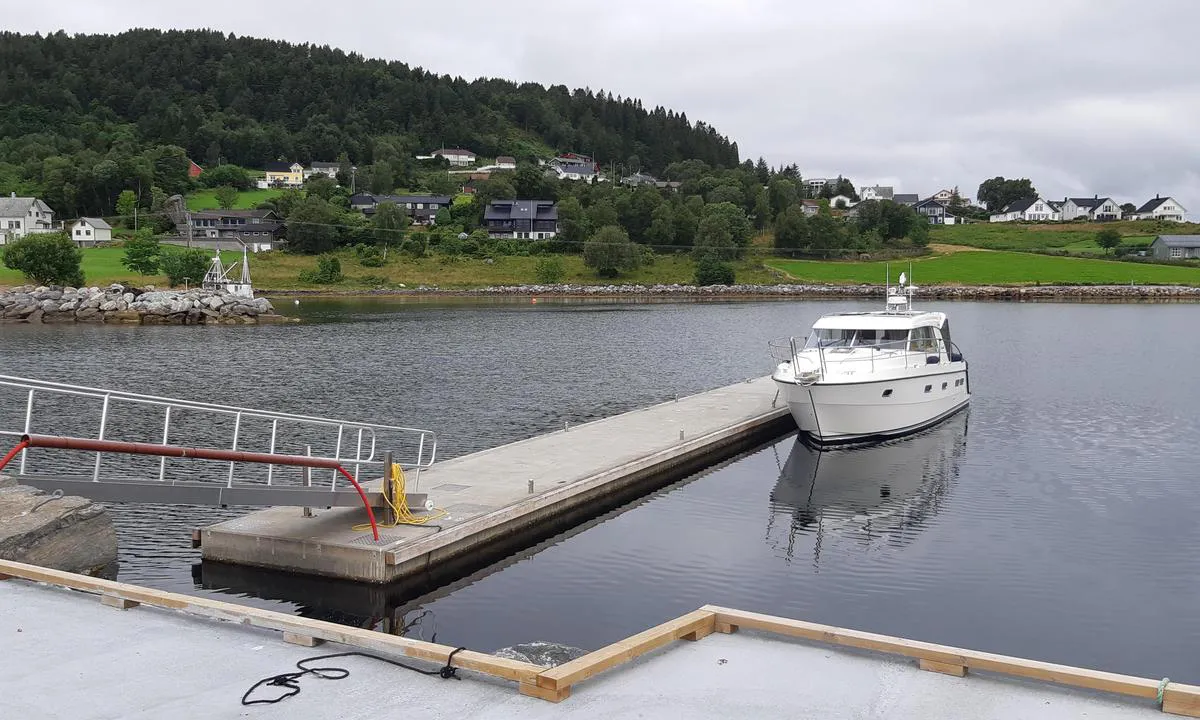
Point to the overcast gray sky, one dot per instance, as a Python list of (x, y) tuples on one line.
[(1082, 96)]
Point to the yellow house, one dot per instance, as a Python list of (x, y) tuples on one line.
[(285, 174)]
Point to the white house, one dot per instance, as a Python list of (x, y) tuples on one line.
[(876, 192), (587, 173), (89, 232), (810, 207), (1161, 208), (316, 167), (841, 201), (1093, 208), (815, 185), (21, 216), (506, 162), (455, 156), (1031, 209)]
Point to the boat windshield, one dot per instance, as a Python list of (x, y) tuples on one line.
[(843, 338)]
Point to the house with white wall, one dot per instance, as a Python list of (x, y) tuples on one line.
[(89, 232), (841, 201), (876, 192), (1093, 208), (21, 216), (585, 172), (317, 167), (1161, 208), (455, 156), (1033, 209)]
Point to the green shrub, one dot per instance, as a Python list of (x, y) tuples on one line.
[(417, 245), (451, 246), (328, 272), (548, 270), (185, 264), (713, 272), (369, 255), (142, 252), (609, 252), (46, 259)]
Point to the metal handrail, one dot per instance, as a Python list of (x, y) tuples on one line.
[(787, 350), (364, 436)]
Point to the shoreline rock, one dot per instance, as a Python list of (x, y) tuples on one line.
[(118, 305), (942, 292), (65, 533)]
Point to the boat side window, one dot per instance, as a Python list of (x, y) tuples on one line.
[(922, 340)]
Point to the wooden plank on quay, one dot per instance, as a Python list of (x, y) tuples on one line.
[(515, 670), (621, 652), (944, 668), (1186, 698)]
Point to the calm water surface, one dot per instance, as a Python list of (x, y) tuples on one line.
[(1055, 520)]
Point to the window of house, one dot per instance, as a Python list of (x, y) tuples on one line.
[(78, 231), (1176, 252)]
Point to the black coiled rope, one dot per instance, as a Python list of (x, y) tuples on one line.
[(290, 681)]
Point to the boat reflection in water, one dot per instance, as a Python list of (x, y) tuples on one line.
[(870, 494)]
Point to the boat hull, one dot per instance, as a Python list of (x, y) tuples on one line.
[(831, 413)]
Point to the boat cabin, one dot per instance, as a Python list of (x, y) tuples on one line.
[(924, 332)]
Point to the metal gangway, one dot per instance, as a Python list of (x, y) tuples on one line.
[(115, 446)]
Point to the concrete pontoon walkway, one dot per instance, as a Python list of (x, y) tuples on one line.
[(487, 494), (67, 656)]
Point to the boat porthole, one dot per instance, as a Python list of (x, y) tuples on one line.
[(928, 388), (887, 393)]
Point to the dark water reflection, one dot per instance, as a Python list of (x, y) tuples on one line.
[(1055, 520)]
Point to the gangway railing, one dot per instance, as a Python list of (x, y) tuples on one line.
[(42, 408), (166, 451)]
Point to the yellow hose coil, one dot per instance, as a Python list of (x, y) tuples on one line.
[(399, 506)]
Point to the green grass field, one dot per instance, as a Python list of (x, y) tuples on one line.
[(281, 271), (102, 266), (206, 199), (1069, 236), (994, 268)]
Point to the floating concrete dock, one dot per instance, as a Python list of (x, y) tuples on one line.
[(512, 495), (71, 657)]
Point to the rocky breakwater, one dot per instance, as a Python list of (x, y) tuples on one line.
[(117, 304), (61, 532)]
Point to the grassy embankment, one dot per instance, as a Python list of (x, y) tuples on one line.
[(1073, 237), (280, 271), (994, 268)]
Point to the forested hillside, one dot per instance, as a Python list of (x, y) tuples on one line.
[(83, 117)]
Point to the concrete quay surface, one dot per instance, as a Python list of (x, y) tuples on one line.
[(67, 656), (575, 473)]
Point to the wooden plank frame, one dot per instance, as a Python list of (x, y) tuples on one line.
[(1178, 698), (291, 625), (554, 684)]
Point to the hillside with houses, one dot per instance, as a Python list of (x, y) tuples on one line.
[(478, 170)]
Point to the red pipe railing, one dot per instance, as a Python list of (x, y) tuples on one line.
[(13, 453), (176, 451)]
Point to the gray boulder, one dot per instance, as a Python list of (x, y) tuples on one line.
[(65, 533)]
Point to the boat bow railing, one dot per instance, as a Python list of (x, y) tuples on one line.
[(790, 349)]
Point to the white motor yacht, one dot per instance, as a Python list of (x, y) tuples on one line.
[(862, 376)]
